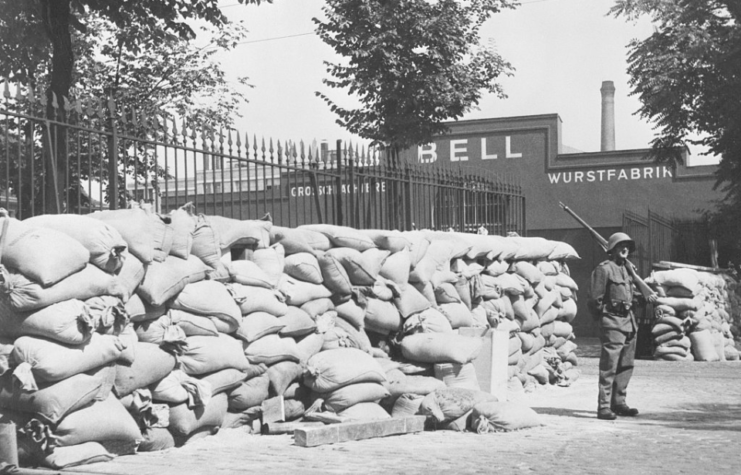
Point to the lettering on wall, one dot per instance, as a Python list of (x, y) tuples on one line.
[(301, 191), (459, 151), (610, 174)]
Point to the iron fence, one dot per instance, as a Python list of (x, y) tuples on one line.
[(79, 156)]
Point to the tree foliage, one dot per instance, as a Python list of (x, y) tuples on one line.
[(412, 64), (687, 75)]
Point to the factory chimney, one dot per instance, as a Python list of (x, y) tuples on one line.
[(608, 116)]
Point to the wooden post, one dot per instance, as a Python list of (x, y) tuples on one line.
[(9, 444)]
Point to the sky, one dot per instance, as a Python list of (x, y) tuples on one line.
[(562, 51)]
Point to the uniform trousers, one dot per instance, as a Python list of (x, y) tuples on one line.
[(615, 367)]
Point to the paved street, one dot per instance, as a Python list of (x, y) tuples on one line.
[(690, 422)]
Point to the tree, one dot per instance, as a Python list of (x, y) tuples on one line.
[(411, 63), (687, 75), (137, 53)]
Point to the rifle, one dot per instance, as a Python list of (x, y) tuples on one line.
[(646, 291)]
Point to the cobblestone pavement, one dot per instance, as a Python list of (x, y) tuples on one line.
[(690, 422)]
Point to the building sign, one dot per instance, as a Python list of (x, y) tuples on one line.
[(301, 191), (461, 150), (609, 174)]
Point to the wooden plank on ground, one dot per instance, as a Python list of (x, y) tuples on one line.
[(276, 428), (348, 431)]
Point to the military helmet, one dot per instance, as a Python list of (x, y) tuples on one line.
[(617, 238)]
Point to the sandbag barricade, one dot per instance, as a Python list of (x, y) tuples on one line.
[(364, 324)]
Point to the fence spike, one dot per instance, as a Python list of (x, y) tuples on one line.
[(18, 93), (239, 141), (287, 148), (31, 96), (254, 146), (262, 148), (279, 151), (54, 101), (134, 118), (303, 153), (229, 140), (270, 150), (6, 89)]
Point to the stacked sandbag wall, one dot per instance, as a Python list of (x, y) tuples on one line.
[(170, 327), (692, 313)]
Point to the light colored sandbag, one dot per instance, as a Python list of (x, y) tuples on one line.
[(567, 312), (563, 329), (141, 311), (456, 375), (232, 232), (258, 299), (299, 240), (150, 365), (271, 349), (528, 272), (563, 251), (148, 236), (6, 348), (67, 322), (358, 270), (397, 267), (164, 280), (683, 277), (410, 301), (462, 242), (532, 248), (52, 401), (250, 393), (703, 346), (352, 394), (131, 273), (304, 266), (296, 323), (256, 325), (440, 348), (419, 247), (565, 280), (406, 405), (430, 320), (393, 241), (348, 336), (381, 317), (43, 255), (50, 361), (298, 292), (206, 242), (103, 421), (448, 404), (457, 314), (104, 243), (447, 293), (206, 354), (25, 295), (272, 261), (211, 298), (497, 268), (352, 311), (364, 411), (317, 307), (195, 325), (503, 417), (332, 369), (334, 275), (281, 375), (77, 455), (185, 421), (436, 258), (224, 380), (342, 236), (183, 222), (178, 387), (247, 272), (679, 304)]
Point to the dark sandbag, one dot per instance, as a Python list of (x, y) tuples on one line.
[(102, 421), (67, 322), (185, 421), (250, 393), (445, 405), (150, 365)]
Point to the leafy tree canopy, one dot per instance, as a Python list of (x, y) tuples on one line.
[(412, 64)]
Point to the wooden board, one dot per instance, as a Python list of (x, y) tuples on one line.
[(273, 410), (348, 431)]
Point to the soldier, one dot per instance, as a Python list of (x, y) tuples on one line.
[(611, 298)]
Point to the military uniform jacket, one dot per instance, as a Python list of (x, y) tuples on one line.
[(612, 291)]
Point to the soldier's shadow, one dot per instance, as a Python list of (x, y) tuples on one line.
[(696, 416)]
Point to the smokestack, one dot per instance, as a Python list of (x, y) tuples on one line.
[(608, 116)]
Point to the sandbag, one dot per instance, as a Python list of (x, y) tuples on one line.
[(431, 320), (42, 255), (503, 416), (206, 242), (342, 236), (52, 401), (150, 365), (102, 421), (458, 314), (208, 297), (393, 241), (298, 292), (251, 233), (148, 235), (332, 369), (456, 375), (318, 307), (272, 261), (703, 346), (104, 243), (250, 393), (249, 273), (256, 325), (347, 396), (445, 405), (164, 280), (281, 375), (304, 266), (440, 348), (271, 349), (381, 317), (224, 380), (299, 240), (206, 354), (76, 455), (406, 405), (185, 421), (258, 299), (183, 222), (51, 361), (296, 323), (364, 411), (24, 295), (67, 322), (397, 267), (410, 301)]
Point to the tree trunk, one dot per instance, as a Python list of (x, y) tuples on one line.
[(56, 18)]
